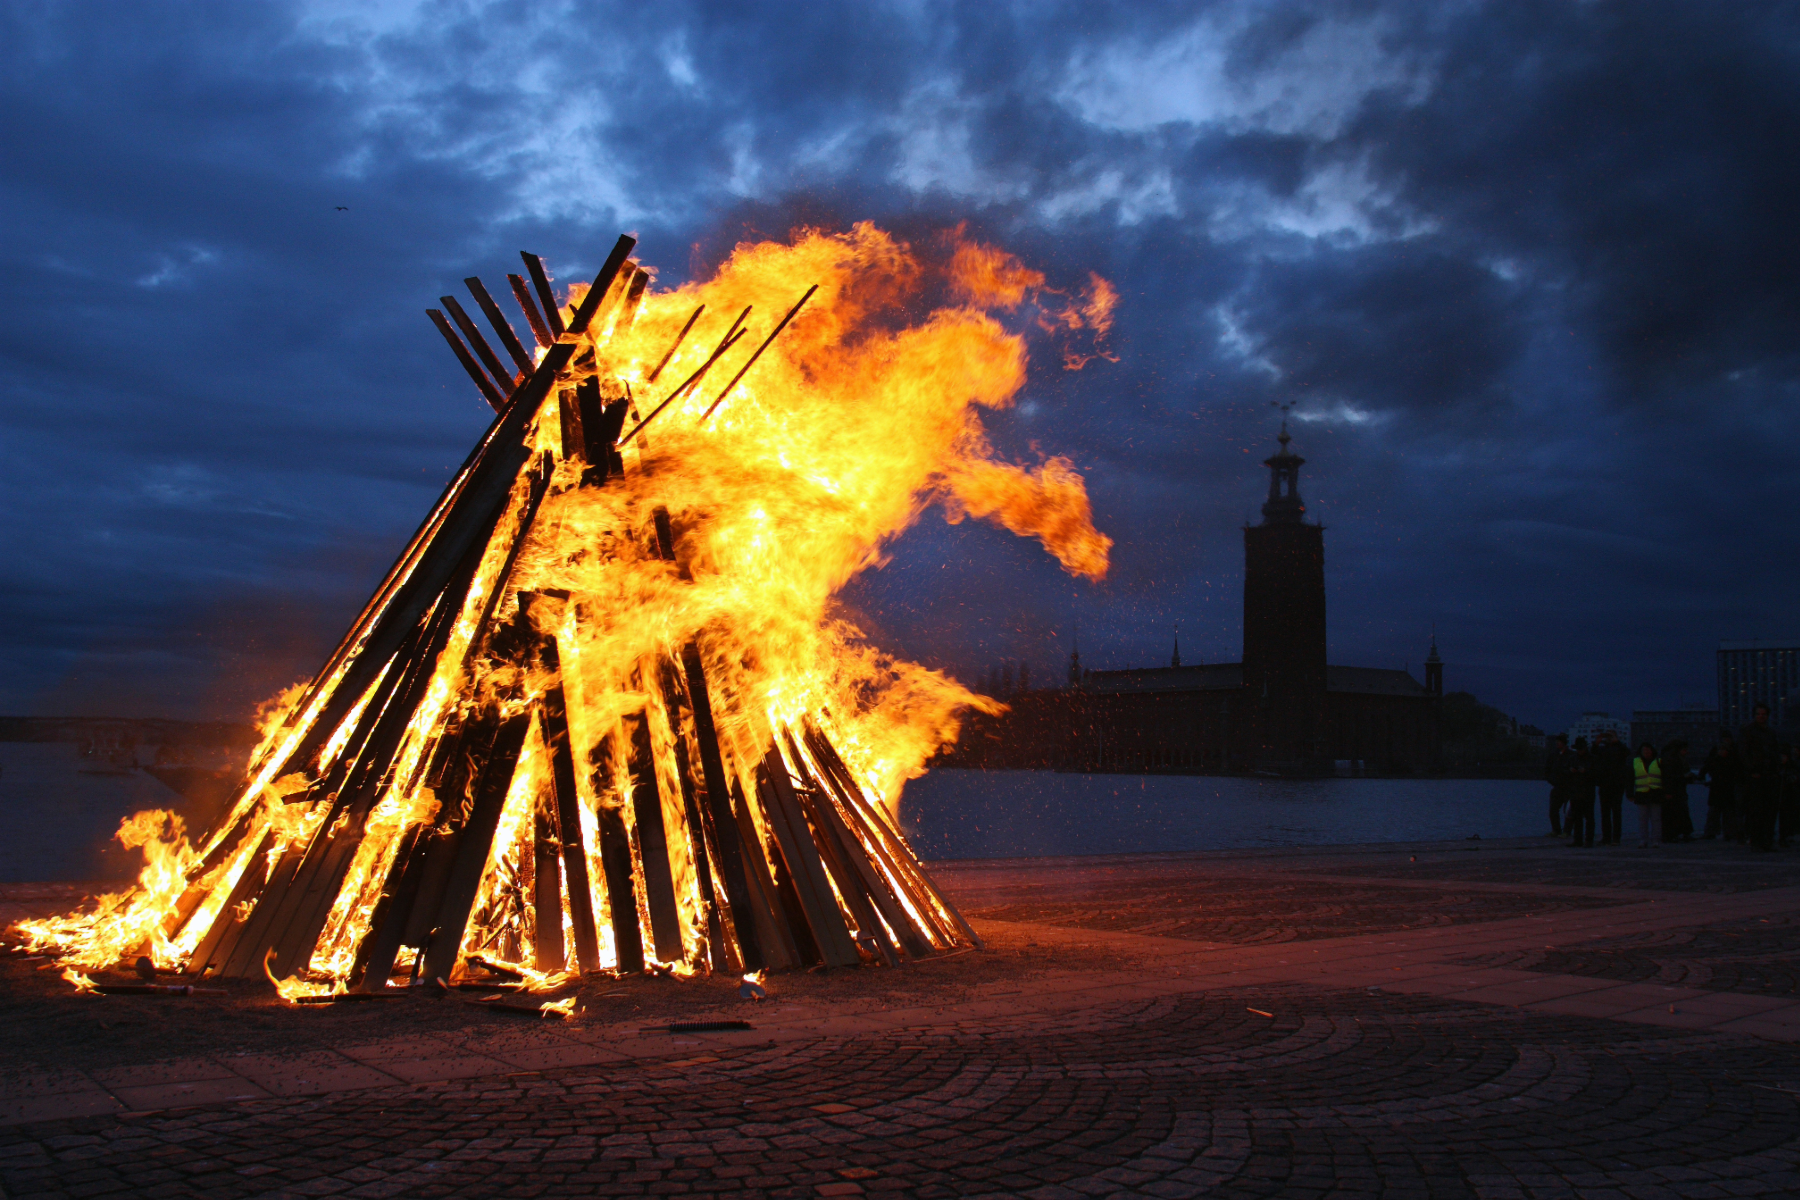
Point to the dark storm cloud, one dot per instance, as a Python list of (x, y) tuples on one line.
[(1525, 271)]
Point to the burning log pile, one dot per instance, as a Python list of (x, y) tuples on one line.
[(600, 714)]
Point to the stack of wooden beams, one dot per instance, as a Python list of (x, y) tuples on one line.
[(775, 856)]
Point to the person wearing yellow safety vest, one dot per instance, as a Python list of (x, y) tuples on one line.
[(1647, 790)]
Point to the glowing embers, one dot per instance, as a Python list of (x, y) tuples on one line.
[(602, 715)]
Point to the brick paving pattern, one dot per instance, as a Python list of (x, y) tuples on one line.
[(1287, 909), (1759, 959), (1702, 866), (1470, 1028), (1339, 1093)]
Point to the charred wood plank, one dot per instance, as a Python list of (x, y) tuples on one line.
[(540, 279), (548, 953), (364, 787), (718, 797), (700, 838), (590, 304), (493, 395), (241, 953), (792, 925), (673, 347), (789, 880), (621, 891), (653, 842), (505, 378), (374, 761), (843, 856), (895, 859), (244, 933), (568, 816), (540, 330), (691, 382), (255, 875), (474, 741), (785, 940), (833, 855), (598, 424), (568, 409), (792, 312), (822, 807), (503, 329), (406, 878), (391, 888), (826, 755), (223, 848), (634, 300), (795, 841), (599, 430), (474, 847)]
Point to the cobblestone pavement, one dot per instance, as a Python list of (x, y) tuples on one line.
[(1126, 1062), (1335, 1093), (1286, 909), (1699, 866), (1759, 959)]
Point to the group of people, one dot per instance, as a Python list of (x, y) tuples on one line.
[(1752, 788)]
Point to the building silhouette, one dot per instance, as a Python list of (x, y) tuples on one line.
[(1282, 709), (1752, 673)]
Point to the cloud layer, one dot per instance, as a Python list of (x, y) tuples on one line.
[(1525, 271)]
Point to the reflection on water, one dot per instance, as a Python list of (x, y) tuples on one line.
[(1014, 814)]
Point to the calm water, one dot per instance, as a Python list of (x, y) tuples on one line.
[(59, 814), (59, 819), (1015, 814)]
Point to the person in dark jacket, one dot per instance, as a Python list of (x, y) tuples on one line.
[(1579, 787), (1721, 772), (1760, 755), (1647, 791), (1612, 779), (1677, 824), (1789, 803), (1556, 771)]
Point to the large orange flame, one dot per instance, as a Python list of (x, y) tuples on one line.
[(783, 476)]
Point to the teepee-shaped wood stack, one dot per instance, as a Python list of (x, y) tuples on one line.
[(403, 823)]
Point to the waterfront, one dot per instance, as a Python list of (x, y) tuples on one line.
[(61, 811), (1016, 814), (61, 818)]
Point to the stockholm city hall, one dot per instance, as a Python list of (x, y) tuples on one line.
[(1283, 709)]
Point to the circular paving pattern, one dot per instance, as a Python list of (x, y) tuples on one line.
[(1336, 1094)]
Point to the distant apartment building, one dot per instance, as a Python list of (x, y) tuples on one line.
[(1592, 723), (1752, 673), (1698, 727)]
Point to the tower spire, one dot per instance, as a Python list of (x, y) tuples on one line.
[(1075, 658), (1284, 505), (1175, 658)]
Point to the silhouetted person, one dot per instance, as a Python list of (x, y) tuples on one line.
[(1647, 790), (1557, 765), (1612, 779), (1677, 823), (1721, 772), (1580, 790), (1760, 754), (1789, 803)]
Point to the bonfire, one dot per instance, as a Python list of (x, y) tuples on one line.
[(603, 714)]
